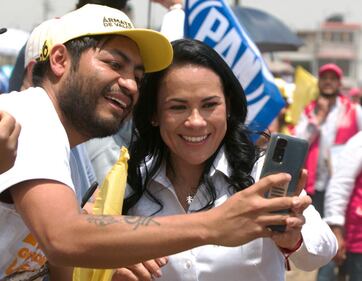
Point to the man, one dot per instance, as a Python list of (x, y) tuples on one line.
[(329, 121), (104, 152), (19, 78), (88, 75), (81, 169)]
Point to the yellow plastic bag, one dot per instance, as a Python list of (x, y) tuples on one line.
[(109, 201)]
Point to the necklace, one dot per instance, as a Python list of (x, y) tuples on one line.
[(190, 197)]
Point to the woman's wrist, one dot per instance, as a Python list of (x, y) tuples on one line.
[(293, 249), (287, 252)]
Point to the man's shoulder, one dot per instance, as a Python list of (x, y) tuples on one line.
[(28, 103), (28, 96)]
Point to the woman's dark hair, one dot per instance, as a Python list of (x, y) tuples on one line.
[(147, 142), (75, 48)]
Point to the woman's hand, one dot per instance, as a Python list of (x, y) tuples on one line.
[(292, 235)]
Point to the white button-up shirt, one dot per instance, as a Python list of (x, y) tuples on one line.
[(257, 260), (342, 183)]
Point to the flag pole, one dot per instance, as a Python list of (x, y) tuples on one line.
[(149, 15)]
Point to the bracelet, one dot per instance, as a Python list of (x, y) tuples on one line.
[(291, 251), (177, 6)]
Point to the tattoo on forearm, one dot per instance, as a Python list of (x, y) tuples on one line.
[(139, 221), (102, 220), (135, 221)]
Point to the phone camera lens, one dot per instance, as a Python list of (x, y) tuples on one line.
[(278, 154), (281, 143)]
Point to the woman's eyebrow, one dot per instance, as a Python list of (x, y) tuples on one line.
[(184, 100)]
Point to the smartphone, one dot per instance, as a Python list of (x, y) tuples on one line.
[(284, 154)]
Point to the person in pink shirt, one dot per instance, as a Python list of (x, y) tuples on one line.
[(343, 207)]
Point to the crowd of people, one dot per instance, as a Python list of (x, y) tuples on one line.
[(89, 82)]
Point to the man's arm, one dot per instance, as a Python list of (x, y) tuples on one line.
[(70, 238), (173, 21)]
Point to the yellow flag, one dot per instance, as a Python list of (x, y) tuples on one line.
[(306, 90), (109, 201)]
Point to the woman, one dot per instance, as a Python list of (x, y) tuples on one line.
[(192, 151)]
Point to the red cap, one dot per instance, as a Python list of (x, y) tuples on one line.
[(354, 92), (331, 67)]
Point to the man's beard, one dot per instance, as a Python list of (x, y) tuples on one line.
[(78, 103)]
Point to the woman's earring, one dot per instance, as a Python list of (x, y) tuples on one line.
[(154, 123)]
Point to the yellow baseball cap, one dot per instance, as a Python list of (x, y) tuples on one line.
[(91, 19), (36, 40)]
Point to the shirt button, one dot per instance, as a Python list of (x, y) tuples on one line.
[(188, 264)]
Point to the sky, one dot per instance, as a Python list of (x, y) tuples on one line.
[(306, 14)]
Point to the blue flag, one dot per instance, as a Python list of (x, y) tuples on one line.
[(213, 23)]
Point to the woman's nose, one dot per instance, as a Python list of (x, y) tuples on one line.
[(195, 119)]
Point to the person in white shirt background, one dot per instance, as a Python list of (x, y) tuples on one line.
[(343, 206), (192, 152)]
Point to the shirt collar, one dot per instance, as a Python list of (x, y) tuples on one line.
[(220, 164), (160, 176)]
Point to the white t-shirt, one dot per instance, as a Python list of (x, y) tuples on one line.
[(43, 153), (257, 260)]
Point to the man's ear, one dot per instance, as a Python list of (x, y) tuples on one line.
[(59, 59)]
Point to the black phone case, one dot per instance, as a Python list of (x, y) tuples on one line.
[(292, 163)]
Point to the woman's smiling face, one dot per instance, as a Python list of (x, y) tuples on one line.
[(191, 113)]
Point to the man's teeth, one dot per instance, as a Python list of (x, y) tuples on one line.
[(121, 103), (194, 139)]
